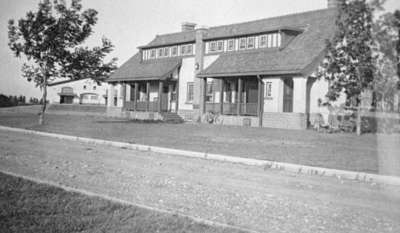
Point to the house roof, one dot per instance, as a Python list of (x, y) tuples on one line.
[(295, 22), (135, 69), (298, 57), (73, 80)]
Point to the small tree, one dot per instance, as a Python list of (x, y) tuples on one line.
[(51, 39), (348, 66)]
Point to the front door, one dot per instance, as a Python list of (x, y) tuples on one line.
[(288, 95), (164, 99)]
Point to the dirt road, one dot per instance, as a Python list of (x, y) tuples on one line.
[(245, 196)]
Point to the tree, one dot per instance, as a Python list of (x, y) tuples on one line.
[(51, 39), (386, 53), (348, 65)]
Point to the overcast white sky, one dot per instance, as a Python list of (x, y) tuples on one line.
[(131, 23)]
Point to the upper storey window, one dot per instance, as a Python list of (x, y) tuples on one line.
[(263, 41), (231, 45), (174, 51), (250, 42), (166, 52), (160, 52), (242, 43), (187, 49), (153, 53), (212, 46), (220, 45)]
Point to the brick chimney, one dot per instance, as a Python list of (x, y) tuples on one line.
[(332, 3), (186, 26)]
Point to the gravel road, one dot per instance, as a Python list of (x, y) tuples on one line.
[(245, 196)]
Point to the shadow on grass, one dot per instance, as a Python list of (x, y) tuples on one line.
[(30, 207)]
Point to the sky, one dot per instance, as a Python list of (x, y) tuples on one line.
[(132, 23)]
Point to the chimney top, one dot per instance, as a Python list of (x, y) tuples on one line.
[(186, 26), (332, 3)]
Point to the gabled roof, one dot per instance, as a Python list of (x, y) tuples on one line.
[(296, 58), (135, 69)]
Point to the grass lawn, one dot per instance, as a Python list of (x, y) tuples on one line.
[(307, 147), (29, 207)]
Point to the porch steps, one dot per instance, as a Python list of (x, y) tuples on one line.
[(171, 117)]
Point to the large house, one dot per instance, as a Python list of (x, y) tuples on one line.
[(257, 73)]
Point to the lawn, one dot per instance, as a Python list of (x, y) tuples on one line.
[(307, 147), (30, 207)]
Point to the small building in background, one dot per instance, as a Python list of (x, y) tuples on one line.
[(83, 91)]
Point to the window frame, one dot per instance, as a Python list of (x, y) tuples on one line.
[(268, 89), (260, 42), (153, 53), (166, 52), (228, 45), (212, 46), (189, 92), (160, 52), (243, 39), (220, 46), (253, 44), (174, 48)]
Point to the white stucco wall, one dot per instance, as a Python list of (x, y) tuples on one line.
[(272, 104), (186, 75), (78, 89), (299, 94)]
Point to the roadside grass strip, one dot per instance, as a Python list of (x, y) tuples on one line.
[(34, 205), (289, 167)]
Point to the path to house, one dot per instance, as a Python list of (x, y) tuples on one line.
[(306, 147), (239, 195)]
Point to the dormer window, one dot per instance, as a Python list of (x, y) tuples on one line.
[(250, 42), (231, 45), (166, 52), (174, 51), (213, 46), (263, 41), (153, 53), (220, 45), (242, 43)]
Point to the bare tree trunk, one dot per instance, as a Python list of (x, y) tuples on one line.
[(44, 99), (358, 121)]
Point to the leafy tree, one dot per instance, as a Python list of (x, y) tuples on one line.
[(386, 52), (348, 65), (51, 39)]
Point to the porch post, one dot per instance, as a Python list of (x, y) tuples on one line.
[(203, 95), (123, 95), (160, 89), (170, 97), (147, 96), (260, 101), (221, 96), (239, 94), (135, 95)]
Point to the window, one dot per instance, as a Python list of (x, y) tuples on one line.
[(94, 88), (84, 87), (269, 43), (183, 49), (268, 89), (67, 90), (190, 92), (220, 45), (250, 43), (189, 49), (242, 43), (93, 97), (160, 52), (174, 51), (166, 52), (213, 46), (231, 45), (263, 41), (153, 53)]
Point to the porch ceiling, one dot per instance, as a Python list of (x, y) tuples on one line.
[(137, 70)]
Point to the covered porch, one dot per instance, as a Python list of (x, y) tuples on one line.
[(233, 96)]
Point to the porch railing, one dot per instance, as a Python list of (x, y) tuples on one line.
[(249, 109)]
